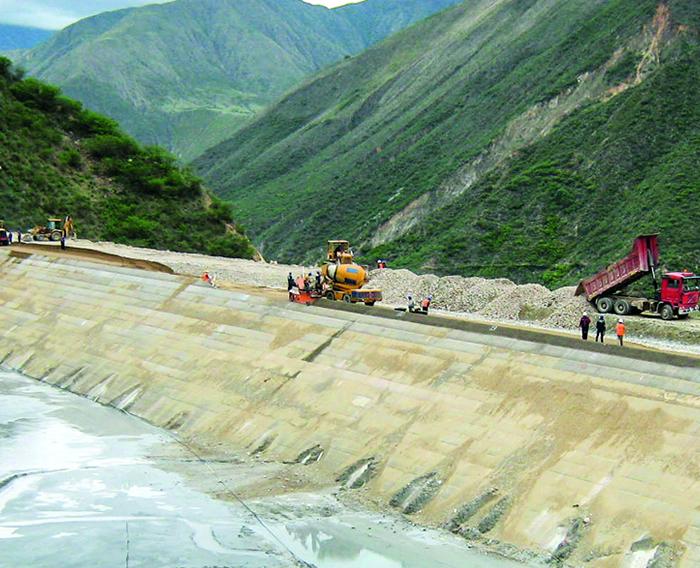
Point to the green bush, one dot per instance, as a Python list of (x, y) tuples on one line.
[(231, 245), (135, 227), (36, 94), (220, 211), (111, 146), (70, 158), (90, 123)]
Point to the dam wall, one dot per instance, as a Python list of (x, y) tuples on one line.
[(581, 456)]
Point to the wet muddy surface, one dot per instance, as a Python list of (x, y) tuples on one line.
[(86, 485)]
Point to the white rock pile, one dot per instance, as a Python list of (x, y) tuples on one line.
[(498, 299)]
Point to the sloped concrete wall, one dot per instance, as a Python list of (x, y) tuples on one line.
[(587, 456)]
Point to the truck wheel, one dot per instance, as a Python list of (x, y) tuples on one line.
[(330, 295), (55, 236), (622, 307), (667, 312), (683, 316), (369, 303), (604, 305), (347, 298)]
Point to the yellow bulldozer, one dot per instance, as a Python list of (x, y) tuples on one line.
[(344, 278)]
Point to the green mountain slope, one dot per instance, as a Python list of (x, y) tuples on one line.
[(530, 139), (21, 37), (57, 158), (187, 74)]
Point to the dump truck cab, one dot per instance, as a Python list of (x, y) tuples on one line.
[(680, 290)]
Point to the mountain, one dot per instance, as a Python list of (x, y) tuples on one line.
[(21, 37), (58, 158), (188, 73), (523, 138)]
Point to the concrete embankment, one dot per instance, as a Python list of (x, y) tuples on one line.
[(577, 455)]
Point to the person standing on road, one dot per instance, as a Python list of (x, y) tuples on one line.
[(584, 324), (290, 282), (600, 329), (411, 304), (425, 304), (620, 330)]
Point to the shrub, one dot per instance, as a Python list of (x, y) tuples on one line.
[(36, 94), (232, 246), (70, 158), (111, 146), (135, 227), (220, 211), (90, 123)]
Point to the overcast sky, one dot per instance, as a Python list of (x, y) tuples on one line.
[(57, 14)]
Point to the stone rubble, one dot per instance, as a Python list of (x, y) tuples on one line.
[(498, 299)]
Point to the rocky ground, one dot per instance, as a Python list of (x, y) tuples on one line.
[(496, 300)]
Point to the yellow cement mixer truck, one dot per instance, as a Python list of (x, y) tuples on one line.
[(344, 279)]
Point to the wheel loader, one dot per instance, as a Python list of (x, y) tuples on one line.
[(52, 231)]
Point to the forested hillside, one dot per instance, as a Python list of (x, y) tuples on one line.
[(530, 139), (58, 158), (188, 73)]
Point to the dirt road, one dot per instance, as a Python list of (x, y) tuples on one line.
[(497, 301)]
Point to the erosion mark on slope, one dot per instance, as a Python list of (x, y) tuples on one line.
[(127, 399), (69, 379), (310, 455), (413, 497), (570, 541), (358, 474), (176, 421), (660, 26), (100, 388), (263, 444), (467, 511), (494, 515), (311, 357)]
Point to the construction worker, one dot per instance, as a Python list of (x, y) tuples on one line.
[(290, 282), (209, 279), (319, 282), (584, 324), (63, 239), (600, 329), (411, 303), (425, 304), (620, 330)]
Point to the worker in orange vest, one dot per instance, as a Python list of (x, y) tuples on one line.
[(620, 330)]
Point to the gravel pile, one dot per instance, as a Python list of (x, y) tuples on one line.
[(568, 308), (521, 302), (498, 299)]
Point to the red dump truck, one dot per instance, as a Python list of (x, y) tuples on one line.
[(677, 295)]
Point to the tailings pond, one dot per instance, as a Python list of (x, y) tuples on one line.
[(82, 485)]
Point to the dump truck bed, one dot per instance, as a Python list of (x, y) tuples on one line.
[(642, 259)]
